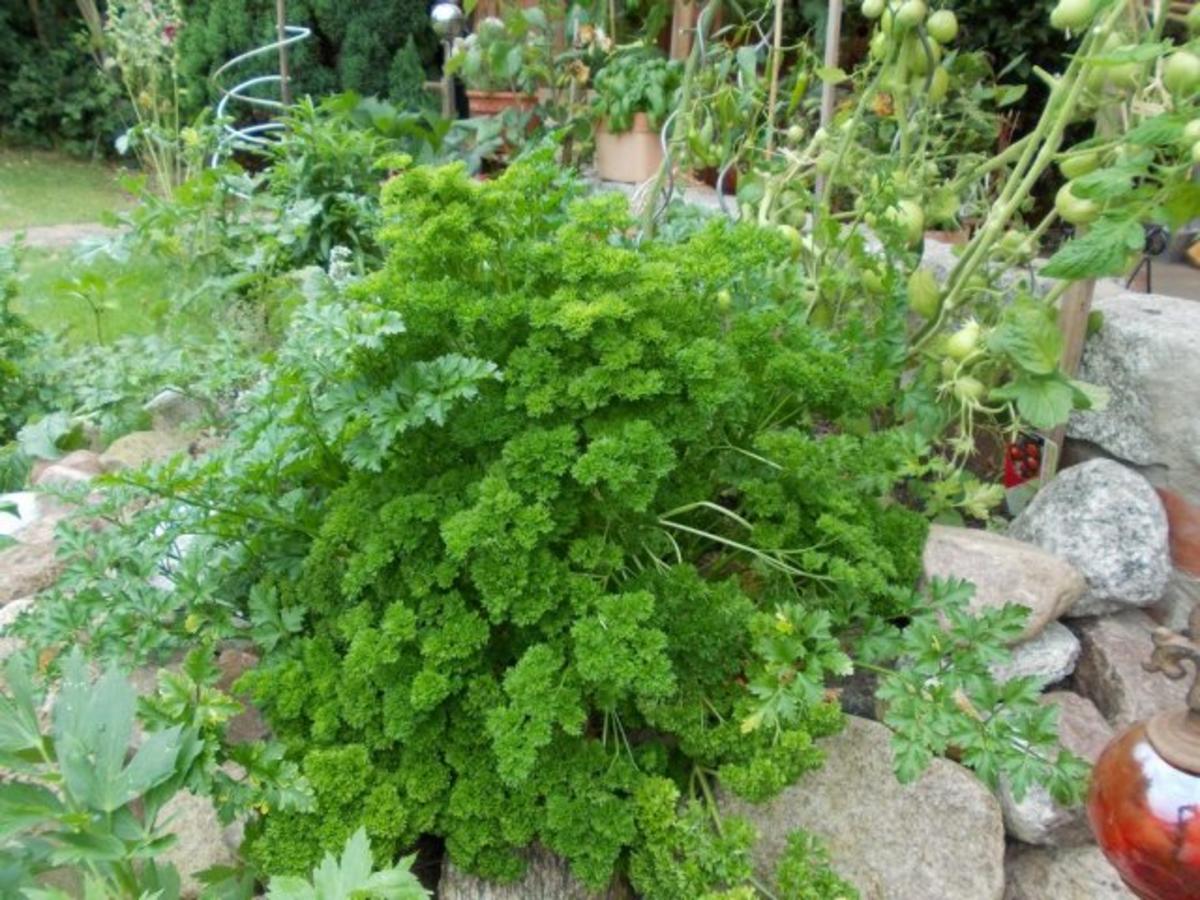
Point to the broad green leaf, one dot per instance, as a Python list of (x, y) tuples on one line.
[(1131, 53), (1032, 340), (40, 439), (24, 805), (1042, 401), (831, 74), (18, 711), (1183, 204), (1105, 250), (1105, 184), (85, 846), (1160, 131)]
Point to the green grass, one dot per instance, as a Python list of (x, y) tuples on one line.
[(42, 188), (132, 296)]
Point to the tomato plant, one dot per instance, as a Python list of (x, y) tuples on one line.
[(896, 159)]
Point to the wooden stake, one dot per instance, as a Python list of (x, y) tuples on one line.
[(833, 42), (285, 78), (1073, 323), (683, 27)]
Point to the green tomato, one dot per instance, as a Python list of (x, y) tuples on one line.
[(909, 216), (724, 300), (1191, 131), (1125, 77), (911, 13), (939, 86), (924, 298), (881, 46), (1181, 73), (873, 9), (1071, 15), (949, 367), (1016, 246), (942, 26), (872, 282), (1073, 209), (795, 134), (795, 239), (968, 389), (1079, 164), (919, 62), (963, 342)]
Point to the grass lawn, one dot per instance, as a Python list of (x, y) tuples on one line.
[(131, 296), (43, 188)]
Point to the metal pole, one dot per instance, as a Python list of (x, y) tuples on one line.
[(285, 78), (448, 110)]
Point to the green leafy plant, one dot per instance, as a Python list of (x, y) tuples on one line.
[(635, 81), (79, 801), (74, 799), (510, 54), (351, 875), (943, 698), (142, 36), (22, 384), (979, 343)]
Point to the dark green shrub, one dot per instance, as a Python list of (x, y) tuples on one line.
[(55, 95), (367, 47)]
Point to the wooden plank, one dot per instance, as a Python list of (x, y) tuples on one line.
[(1073, 322), (683, 27)]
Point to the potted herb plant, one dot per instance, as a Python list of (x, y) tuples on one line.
[(504, 61), (634, 93)]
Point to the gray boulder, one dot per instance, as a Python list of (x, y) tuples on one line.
[(547, 878), (1005, 570), (1109, 523), (1050, 657), (171, 409), (940, 838), (1148, 356), (200, 839), (1077, 873), (1110, 671)]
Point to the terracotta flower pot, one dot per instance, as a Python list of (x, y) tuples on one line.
[(632, 156), (489, 103)]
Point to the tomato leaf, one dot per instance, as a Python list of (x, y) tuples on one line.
[(1032, 340), (1043, 401), (1102, 251)]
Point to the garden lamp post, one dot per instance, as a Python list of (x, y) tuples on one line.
[(447, 20), (1144, 803)]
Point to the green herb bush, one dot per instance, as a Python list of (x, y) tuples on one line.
[(556, 500)]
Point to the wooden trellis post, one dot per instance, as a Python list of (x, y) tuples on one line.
[(833, 42), (285, 77)]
